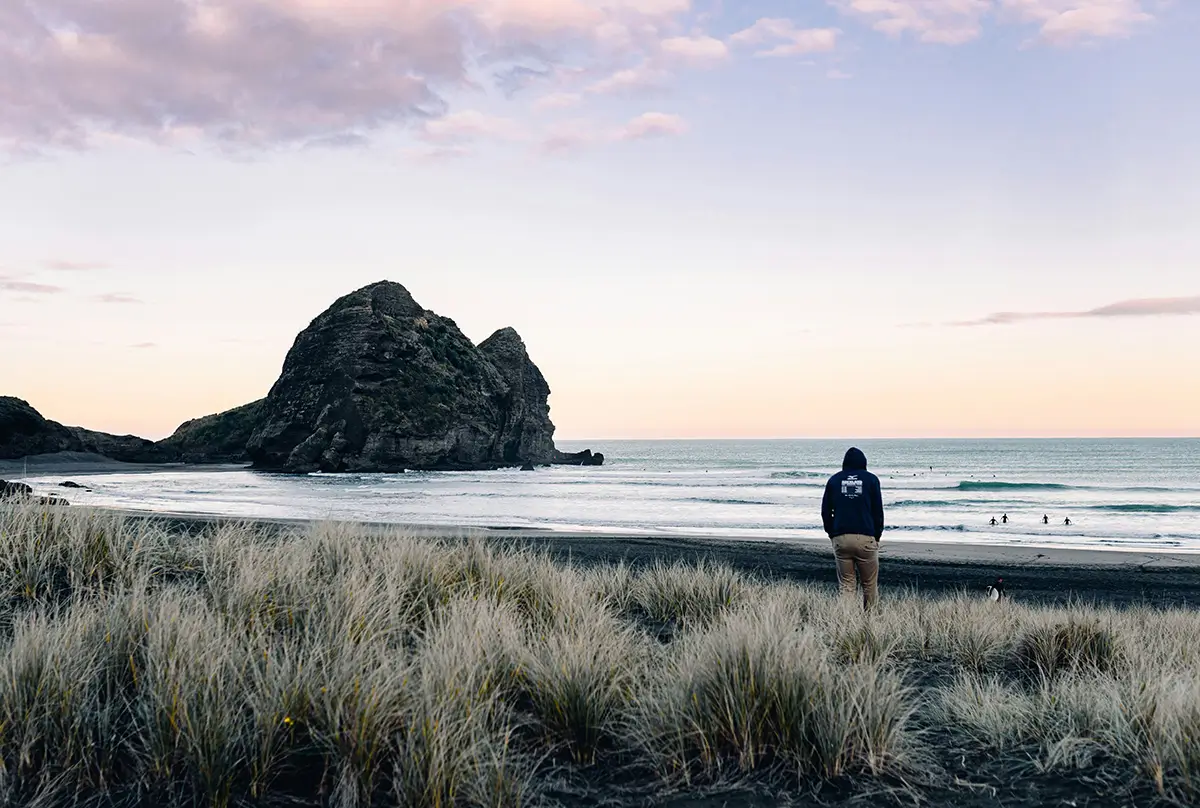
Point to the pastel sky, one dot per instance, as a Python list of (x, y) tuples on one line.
[(707, 219)]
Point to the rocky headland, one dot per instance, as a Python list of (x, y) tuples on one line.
[(376, 383)]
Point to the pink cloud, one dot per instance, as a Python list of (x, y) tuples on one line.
[(653, 124), (115, 298), (1142, 307), (574, 135), (953, 22), (60, 265), (785, 39), (264, 73), (695, 50), (13, 283), (469, 125)]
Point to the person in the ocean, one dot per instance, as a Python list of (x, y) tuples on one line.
[(1067, 521), (852, 513), (1045, 519), (993, 522), (1004, 519)]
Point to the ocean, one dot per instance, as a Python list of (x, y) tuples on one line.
[(1135, 494)]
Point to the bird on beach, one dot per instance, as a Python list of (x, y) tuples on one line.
[(995, 592)]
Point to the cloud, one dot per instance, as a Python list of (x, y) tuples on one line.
[(1144, 307), (786, 39), (259, 74), (60, 265), (695, 50), (653, 124), (838, 74), (14, 283), (1063, 22), (558, 101), (576, 134), (467, 126), (144, 345), (116, 298), (953, 22), (628, 80)]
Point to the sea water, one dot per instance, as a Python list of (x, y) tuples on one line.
[(1119, 494)]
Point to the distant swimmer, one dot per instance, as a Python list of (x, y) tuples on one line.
[(1067, 521), (993, 521), (1004, 519), (1045, 520)]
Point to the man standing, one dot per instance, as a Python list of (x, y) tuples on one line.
[(852, 512)]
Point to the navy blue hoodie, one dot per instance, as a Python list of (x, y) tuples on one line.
[(853, 502)]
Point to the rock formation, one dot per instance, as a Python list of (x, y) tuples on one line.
[(378, 383), (219, 438), (526, 432), (24, 432), (374, 383)]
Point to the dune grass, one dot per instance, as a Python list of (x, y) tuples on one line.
[(341, 665)]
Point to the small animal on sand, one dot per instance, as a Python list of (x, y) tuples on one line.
[(996, 591)]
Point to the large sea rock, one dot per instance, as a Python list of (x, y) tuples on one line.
[(379, 383)]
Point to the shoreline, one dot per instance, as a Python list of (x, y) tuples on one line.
[(1044, 575)]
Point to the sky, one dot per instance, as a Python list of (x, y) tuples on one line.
[(799, 218)]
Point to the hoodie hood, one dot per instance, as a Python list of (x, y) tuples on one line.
[(855, 460)]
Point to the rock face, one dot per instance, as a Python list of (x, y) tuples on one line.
[(378, 383), (24, 432), (526, 432), (219, 438)]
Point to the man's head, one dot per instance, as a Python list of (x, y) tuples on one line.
[(855, 460)]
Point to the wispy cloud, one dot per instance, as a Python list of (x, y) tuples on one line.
[(953, 22), (1143, 307), (62, 265), (576, 134), (782, 37), (16, 283), (141, 346), (116, 298)]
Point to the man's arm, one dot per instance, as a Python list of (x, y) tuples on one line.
[(827, 508), (877, 508)]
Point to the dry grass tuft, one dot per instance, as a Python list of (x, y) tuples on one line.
[(354, 666)]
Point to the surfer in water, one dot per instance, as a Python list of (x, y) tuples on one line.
[(993, 521), (1004, 519), (1045, 519), (1067, 521)]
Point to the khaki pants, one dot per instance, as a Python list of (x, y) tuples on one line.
[(858, 553)]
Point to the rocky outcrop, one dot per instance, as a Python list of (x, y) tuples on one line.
[(25, 432), (126, 448), (219, 438), (585, 458), (526, 433), (378, 383), (14, 490)]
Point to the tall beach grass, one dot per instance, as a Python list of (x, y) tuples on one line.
[(341, 665)]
